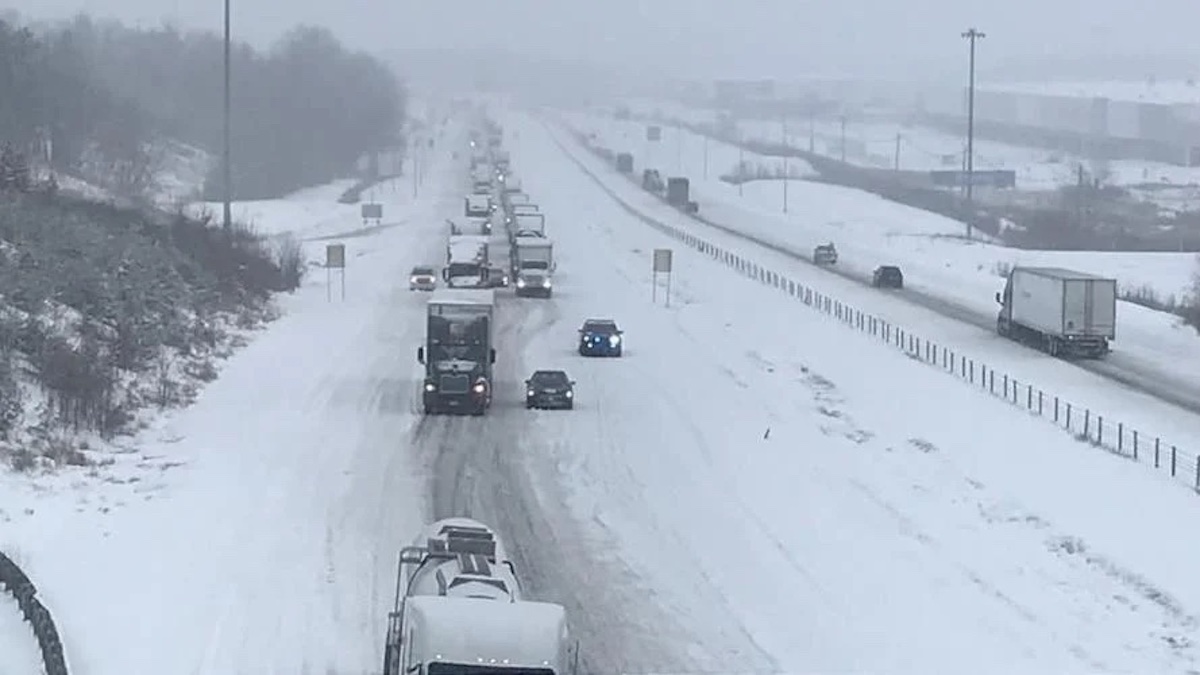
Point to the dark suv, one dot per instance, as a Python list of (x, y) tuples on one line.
[(887, 276), (550, 389)]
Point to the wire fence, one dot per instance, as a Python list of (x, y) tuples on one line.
[(1086, 425), (18, 584)]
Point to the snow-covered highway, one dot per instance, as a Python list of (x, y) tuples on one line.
[(752, 487)]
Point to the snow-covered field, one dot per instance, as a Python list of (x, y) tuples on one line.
[(753, 487), (936, 259), (874, 144), (255, 531), (19, 653)]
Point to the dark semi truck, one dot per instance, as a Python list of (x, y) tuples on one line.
[(458, 354)]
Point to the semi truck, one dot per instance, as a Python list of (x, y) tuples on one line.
[(529, 223), (458, 354), (679, 194), (459, 609), (1060, 311), (533, 253), (466, 261), (477, 206)]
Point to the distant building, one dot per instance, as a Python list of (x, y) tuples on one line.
[(1143, 120)]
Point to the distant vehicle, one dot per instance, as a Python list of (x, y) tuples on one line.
[(887, 276), (625, 163), (550, 389), (497, 277), (652, 181), (678, 194), (601, 337), (1062, 312), (825, 254), (477, 206), (534, 283), (422, 278)]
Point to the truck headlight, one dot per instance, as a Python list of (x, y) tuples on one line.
[(520, 283), (412, 280), (570, 394), (478, 388), (614, 340), (530, 392), (429, 386)]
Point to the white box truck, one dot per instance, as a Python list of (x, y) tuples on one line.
[(1062, 312)]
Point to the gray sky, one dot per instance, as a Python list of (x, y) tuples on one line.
[(769, 38)]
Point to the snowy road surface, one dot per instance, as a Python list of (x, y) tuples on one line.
[(949, 325), (795, 507), (1154, 352), (19, 654)]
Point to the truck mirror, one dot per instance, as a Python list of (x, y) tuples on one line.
[(492, 355), (445, 274), (421, 355), (998, 300)]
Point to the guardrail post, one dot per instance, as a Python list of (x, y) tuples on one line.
[(1099, 429), (1121, 438), (1029, 397), (1040, 396), (1068, 417), (1135, 445), (1087, 423), (1157, 452), (1174, 461)]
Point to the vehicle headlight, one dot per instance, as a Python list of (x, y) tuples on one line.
[(412, 280), (570, 394), (520, 283), (429, 386), (478, 388), (547, 283), (614, 340), (530, 392)]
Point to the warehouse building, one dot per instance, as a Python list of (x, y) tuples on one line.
[(1117, 120)]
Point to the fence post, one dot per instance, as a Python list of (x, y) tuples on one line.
[(1157, 454), (1121, 438), (1135, 445), (1174, 461), (1099, 429)]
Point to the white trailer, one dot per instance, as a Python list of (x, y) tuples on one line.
[(533, 253), (466, 261), (458, 609), (529, 222), (1061, 311), (477, 206)]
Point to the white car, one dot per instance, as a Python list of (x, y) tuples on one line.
[(422, 278)]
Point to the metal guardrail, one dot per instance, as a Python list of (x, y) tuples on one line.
[(18, 584)]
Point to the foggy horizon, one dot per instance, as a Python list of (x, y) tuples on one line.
[(700, 38)]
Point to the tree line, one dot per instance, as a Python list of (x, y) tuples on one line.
[(97, 96)]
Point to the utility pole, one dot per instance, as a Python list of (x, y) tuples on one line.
[(971, 35), (843, 139), (226, 161), (786, 168), (741, 167)]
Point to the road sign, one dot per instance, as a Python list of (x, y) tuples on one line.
[(335, 256), (372, 211), (335, 259), (654, 133), (662, 260)]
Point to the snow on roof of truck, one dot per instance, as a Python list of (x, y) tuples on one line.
[(1062, 273), (463, 296), (467, 631)]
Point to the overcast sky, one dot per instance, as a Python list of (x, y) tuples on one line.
[(771, 38)]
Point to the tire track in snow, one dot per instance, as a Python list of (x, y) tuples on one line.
[(492, 468)]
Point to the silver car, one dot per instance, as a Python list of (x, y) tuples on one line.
[(422, 279)]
